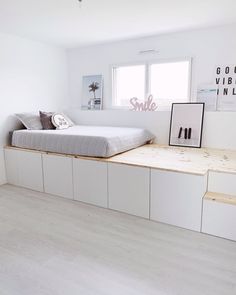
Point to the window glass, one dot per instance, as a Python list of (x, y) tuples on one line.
[(169, 82), (128, 82)]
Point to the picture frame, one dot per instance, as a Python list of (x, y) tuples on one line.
[(186, 124), (92, 91)]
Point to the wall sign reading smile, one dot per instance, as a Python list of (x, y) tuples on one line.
[(144, 106)]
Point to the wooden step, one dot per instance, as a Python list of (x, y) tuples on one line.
[(221, 198), (219, 215)]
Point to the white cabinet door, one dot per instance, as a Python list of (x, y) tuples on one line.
[(128, 189), (219, 219), (90, 182), (58, 178), (176, 198), (220, 182), (30, 170), (11, 162), (24, 169)]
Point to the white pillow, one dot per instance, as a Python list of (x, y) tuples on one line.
[(71, 123), (60, 121), (30, 120)]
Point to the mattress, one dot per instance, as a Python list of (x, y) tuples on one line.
[(91, 141)]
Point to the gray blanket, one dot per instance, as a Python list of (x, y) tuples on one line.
[(92, 141)]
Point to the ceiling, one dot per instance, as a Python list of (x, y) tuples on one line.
[(65, 23)]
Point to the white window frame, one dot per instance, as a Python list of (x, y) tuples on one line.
[(113, 67), (147, 65)]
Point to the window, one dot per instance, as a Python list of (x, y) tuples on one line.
[(168, 82), (129, 82)]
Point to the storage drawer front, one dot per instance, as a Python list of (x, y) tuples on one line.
[(58, 176), (219, 219), (176, 198), (30, 170), (90, 182), (12, 169), (128, 188), (24, 168)]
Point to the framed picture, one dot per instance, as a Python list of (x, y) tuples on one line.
[(92, 92), (186, 124)]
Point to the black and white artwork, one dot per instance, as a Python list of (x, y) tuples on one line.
[(186, 124), (92, 92)]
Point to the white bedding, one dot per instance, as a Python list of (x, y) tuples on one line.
[(92, 141)]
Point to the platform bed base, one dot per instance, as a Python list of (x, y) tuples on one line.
[(173, 197)]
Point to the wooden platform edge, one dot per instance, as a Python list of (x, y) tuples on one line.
[(220, 198), (122, 159), (111, 160)]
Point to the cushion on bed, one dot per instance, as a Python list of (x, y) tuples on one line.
[(46, 120), (92, 141), (71, 123), (60, 121), (30, 120)]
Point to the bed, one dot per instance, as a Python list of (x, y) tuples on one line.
[(91, 141)]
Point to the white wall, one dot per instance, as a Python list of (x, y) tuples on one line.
[(208, 48), (33, 77)]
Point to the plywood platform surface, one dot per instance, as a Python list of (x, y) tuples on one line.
[(188, 160), (169, 158)]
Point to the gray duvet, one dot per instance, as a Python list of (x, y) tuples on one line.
[(92, 141)]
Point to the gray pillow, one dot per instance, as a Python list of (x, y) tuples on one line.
[(46, 120), (30, 120)]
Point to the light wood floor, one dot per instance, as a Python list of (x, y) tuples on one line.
[(50, 246)]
